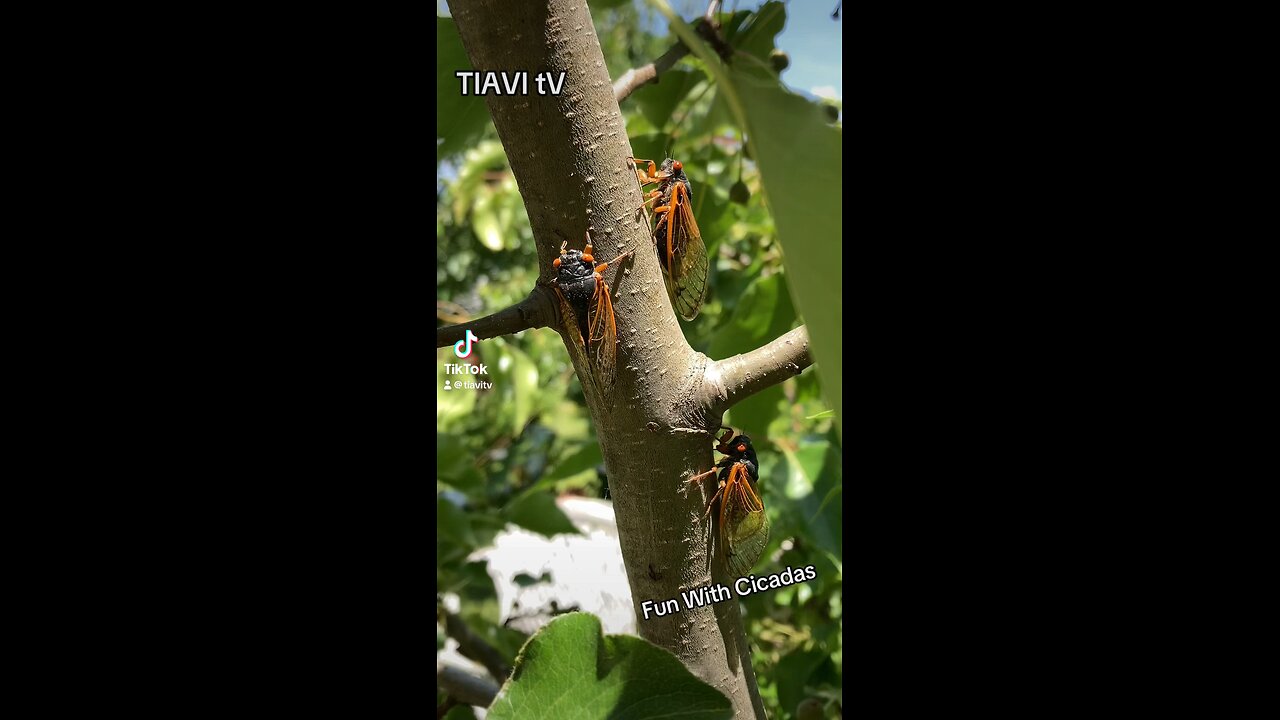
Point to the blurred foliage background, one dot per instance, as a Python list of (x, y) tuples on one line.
[(506, 453)]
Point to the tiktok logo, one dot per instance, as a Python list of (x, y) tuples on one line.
[(457, 347)]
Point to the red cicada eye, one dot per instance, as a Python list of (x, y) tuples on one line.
[(555, 263), (677, 165), (588, 258), (742, 448)]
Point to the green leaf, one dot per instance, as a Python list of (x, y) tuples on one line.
[(757, 412), (757, 38), (451, 405), (709, 201), (537, 511), (831, 494), (762, 313), (453, 532), (803, 187), (460, 712), (485, 221), (806, 464), (455, 464), (583, 460), (813, 472), (515, 376), (659, 100), (793, 671), (459, 120), (569, 670), (717, 117), (452, 455)]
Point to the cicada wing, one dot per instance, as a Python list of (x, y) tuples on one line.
[(573, 338), (603, 344), (687, 278), (744, 526), (745, 552)]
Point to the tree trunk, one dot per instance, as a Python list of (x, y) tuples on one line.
[(569, 156)]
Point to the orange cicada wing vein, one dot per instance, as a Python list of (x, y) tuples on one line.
[(688, 259), (604, 337)]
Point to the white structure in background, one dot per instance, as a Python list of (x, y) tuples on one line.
[(583, 571)]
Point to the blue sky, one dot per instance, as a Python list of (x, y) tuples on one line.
[(811, 38), (816, 46)]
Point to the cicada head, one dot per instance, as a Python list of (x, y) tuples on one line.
[(570, 266), (739, 448)]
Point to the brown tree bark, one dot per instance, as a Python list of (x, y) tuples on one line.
[(569, 156)]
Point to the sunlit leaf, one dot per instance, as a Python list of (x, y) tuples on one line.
[(806, 464), (484, 218), (451, 404), (813, 470), (514, 377), (570, 671)]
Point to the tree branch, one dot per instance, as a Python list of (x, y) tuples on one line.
[(636, 77), (474, 647), (464, 686), (741, 376), (535, 311), (712, 8)]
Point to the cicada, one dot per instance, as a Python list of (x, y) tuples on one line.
[(743, 524), (586, 310), (679, 243)]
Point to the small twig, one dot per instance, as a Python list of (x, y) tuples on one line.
[(467, 688), (712, 7), (535, 311), (474, 647), (710, 31), (741, 376), (636, 77)]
